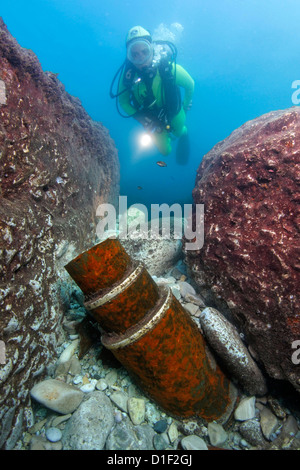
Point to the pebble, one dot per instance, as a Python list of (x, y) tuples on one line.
[(195, 299), (89, 387), (225, 340), (136, 410), (186, 288), (159, 442), (251, 431), (118, 416), (193, 442), (77, 380), (246, 409), (101, 385), (57, 396), (90, 425), (173, 432), (60, 419), (111, 377), (192, 308), (217, 434), (75, 366), (67, 354), (120, 399), (268, 422), (176, 292), (53, 434), (160, 426)]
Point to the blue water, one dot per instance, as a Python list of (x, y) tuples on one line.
[(242, 54)]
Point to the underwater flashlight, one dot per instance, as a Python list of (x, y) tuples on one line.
[(145, 140)]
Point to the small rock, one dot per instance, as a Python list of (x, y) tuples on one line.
[(225, 340), (288, 434), (53, 434), (75, 366), (217, 434), (111, 378), (268, 422), (136, 410), (126, 436), (69, 351), (38, 443), (176, 292), (89, 387), (101, 385), (120, 399), (90, 425), (195, 299), (118, 417), (193, 442), (160, 426), (186, 288), (245, 410), (251, 431), (60, 419), (57, 396), (77, 380), (192, 308), (276, 408), (160, 442), (36, 428), (173, 432)]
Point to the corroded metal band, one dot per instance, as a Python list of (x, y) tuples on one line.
[(95, 303), (123, 340)]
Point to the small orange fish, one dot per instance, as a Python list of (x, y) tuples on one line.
[(161, 163)]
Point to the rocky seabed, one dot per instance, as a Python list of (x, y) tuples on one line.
[(90, 404)]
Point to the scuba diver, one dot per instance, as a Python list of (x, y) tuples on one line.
[(149, 91)]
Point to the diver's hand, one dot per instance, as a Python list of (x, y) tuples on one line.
[(147, 122)]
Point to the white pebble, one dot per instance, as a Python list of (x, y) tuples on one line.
[(53, 434), (77, 379), (89, 387)]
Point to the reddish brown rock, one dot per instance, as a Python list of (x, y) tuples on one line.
[(57, 165), (249, 185)]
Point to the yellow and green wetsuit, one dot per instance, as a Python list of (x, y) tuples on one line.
[(133, 102)]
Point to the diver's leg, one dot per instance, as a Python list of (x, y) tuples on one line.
[(183, 145), (178, 124), (162, 141)]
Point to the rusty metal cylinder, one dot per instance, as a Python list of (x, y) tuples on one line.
[(155, 340), (118, 291), (167, 355)]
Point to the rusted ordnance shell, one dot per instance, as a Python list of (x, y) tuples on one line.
[(167, 355), (126, 303), (99, 267), (151, 334)]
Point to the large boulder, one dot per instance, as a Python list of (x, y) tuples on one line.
[(249, 185), (57, 166)]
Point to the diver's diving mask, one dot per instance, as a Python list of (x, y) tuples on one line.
[(139, 51)]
